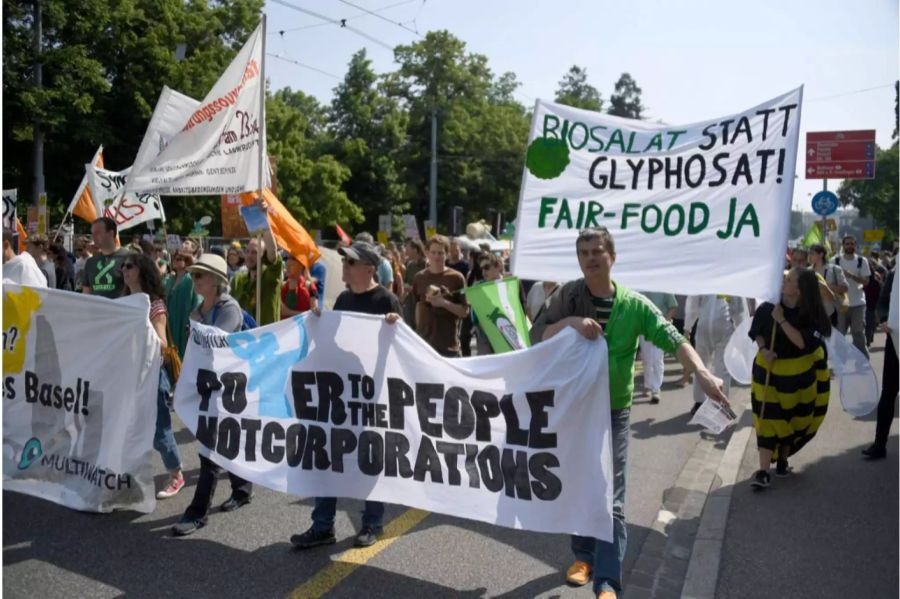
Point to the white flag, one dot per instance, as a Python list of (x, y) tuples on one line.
[(110, 199), (9, 209), (172, 110), (217, 149)]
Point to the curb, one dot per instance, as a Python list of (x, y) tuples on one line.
[(703, 569), (669, 562)]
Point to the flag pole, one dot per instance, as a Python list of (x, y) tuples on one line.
[(262, 156), (61, 225)]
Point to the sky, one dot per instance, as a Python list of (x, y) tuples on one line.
[(695, 60)]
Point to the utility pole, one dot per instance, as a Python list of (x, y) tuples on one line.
[(38, 178), (432, 204)]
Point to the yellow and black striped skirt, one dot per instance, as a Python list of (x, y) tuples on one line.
[(795, 400)]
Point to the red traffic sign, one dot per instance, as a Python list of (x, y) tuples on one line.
[(840, 154)]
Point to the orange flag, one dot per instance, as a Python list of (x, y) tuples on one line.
[(289, 234), (82, 205), (22, 235)]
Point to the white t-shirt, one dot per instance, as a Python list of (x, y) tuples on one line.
[(23, 270), (859, 266)]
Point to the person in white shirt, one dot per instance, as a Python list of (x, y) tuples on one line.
[(833, 276), (857, 272), (20, 269), (887, 305), (716, 316), (537, 297)]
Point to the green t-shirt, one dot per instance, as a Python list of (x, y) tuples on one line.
[(243, 289), (103, 274)]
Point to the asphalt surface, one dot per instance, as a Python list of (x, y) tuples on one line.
[(830, 529), (51, 551)]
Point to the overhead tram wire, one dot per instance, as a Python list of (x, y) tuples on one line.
[(351, 17), (305, 66), (342, 23), (857, 91), (383, 18)]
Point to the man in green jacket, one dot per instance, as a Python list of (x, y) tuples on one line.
[(595, 305), (243, 285)]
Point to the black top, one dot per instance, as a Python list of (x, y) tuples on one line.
[(103, 274), (377, 300), (784, 347), (462, 267)]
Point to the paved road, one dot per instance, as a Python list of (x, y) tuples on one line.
[(50, 551), (828, 531)]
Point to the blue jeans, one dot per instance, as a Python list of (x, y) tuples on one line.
[(164, 438), (607, 557), (323, 513)]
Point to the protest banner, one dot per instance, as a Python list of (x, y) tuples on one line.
[(346, 405), (694, 209), (233, 226), (111, 200), (9, 209), (78, 416), (218, 145), (500, 314)]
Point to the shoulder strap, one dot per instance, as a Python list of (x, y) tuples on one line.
[(859, 262)]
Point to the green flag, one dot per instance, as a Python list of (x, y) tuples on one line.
[(813, 236), (500, 315)]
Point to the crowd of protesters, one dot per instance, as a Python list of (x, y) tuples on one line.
[(424, 284)]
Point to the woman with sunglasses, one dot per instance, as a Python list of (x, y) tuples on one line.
[(218, 309), (142, 276)]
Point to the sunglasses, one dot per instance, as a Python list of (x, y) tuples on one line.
[(351, 261), (128, 265)]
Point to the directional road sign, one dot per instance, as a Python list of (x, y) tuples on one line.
[(840, 154)]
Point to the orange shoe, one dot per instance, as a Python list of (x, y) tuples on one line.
[(579, 573)]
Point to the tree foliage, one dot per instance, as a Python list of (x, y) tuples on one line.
[(365, 154), (876, 197), (574, 90), (104, 64), (625, 101)]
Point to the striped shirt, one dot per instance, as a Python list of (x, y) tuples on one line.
[(157, 307), (602, 309)]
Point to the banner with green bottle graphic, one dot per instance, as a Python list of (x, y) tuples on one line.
[(500, 314)]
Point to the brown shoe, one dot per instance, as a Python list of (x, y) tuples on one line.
[(579, 573), (606, 595)]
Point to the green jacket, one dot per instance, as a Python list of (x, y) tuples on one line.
[(632, 315)]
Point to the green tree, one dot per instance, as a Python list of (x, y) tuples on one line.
[(482, 131), (574, 90), (876, 197), (310, 181), (371, 130), (104, 65), (626, 99)]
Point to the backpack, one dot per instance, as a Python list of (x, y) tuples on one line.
[(247, 320)]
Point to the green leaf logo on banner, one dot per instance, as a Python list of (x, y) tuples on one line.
[(547, 158)]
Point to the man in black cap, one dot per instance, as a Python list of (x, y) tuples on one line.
[(363, 295)]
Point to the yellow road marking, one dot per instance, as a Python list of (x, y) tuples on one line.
[(344, 565)]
